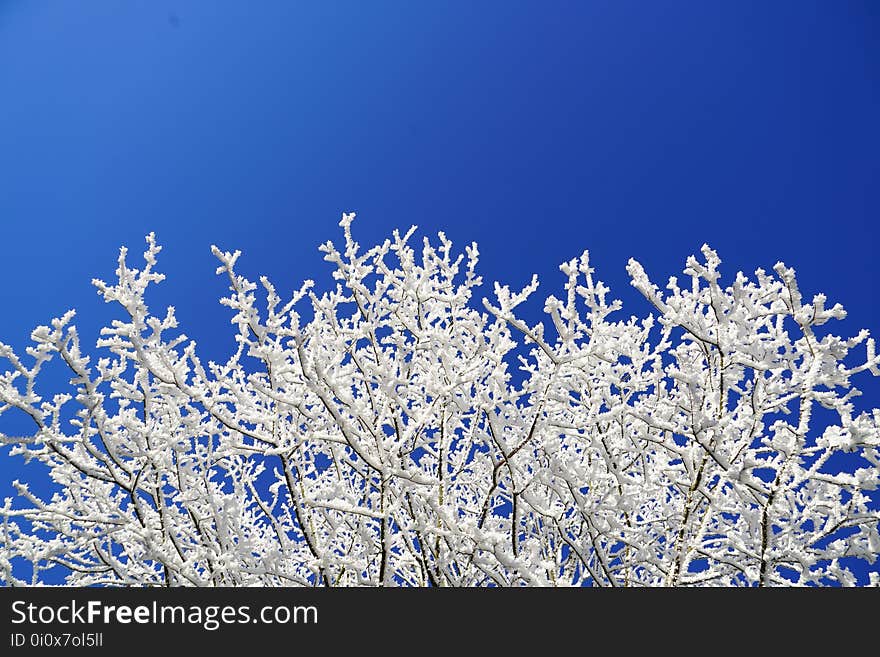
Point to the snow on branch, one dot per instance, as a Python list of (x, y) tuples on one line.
[(389, 441)]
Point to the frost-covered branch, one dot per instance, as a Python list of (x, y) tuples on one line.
[(387, 439)]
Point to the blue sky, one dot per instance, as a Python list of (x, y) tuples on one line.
[(536, 129)]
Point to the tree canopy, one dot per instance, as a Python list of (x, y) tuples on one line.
[(394, 430)]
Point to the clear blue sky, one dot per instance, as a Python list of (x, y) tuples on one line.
[(537, 129)]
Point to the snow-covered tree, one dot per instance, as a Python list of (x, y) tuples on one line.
[(393, 431)]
